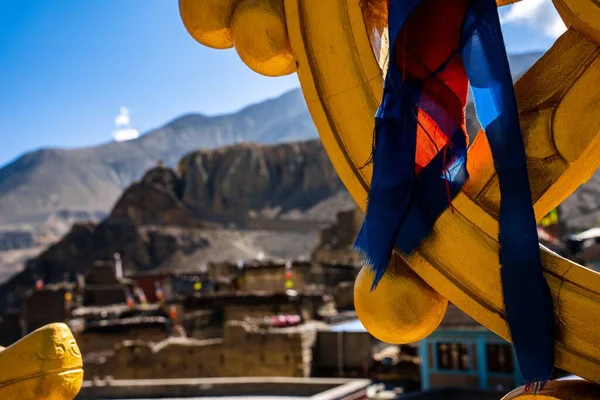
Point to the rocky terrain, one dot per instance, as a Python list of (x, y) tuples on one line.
[(46, 181)]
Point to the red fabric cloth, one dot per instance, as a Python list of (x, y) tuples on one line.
[(430, 37)]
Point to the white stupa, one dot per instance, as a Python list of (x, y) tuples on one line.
[(123, 131)]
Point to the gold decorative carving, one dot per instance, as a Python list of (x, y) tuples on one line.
[(44, 365)]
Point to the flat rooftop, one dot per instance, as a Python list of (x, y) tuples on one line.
[(226, 388)]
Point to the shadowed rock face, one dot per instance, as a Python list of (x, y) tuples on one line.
[(241, 181), (155, 200)]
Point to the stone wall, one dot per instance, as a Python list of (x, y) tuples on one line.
[(347, 227), (103, 336), (335, 273), (103, 288), (245, 350), (253, 352), (105, 295), (172, 358), (336, 256)]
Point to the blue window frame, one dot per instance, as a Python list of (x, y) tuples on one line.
[(462, 363), (467, 341)]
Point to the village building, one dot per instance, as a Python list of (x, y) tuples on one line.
[(103, 287), (46, 305), (104, 335), (462, 353), (335, 243)]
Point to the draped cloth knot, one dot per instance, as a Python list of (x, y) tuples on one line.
[(438, 47)]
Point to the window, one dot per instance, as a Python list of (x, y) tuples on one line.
[(452, 356), (499, 358)]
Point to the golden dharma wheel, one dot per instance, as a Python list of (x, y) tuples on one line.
[(337, 51)]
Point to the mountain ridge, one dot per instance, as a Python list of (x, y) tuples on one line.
[(45, 181)]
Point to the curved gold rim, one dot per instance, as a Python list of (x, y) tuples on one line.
[(342, 85)]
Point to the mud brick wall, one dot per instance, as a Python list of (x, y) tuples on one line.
[(244, 351)]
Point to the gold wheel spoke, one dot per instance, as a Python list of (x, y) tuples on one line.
[(552, 102)]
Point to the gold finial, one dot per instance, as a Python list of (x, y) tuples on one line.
[(257, 29), (403, 308), (208, 21)]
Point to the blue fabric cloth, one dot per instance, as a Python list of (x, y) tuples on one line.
[(403, 208), (527, 298)]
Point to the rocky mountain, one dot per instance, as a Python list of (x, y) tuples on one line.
[(244, 181), (46, 181)]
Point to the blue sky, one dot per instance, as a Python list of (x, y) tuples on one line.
[(68, 66)]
